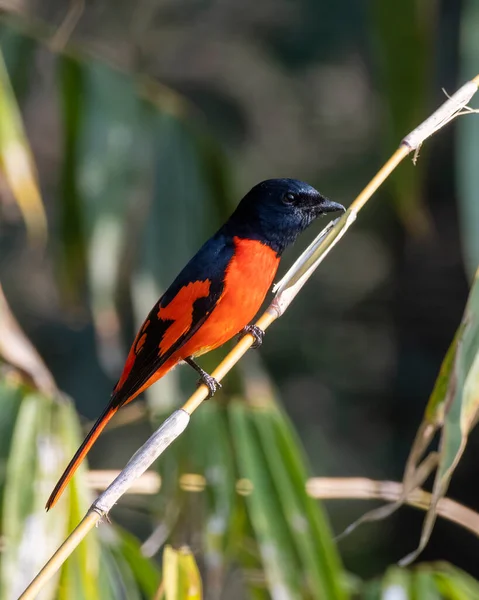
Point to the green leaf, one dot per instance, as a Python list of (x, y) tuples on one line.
[(454, 584), (10, 398), (25, 524), (126, 550), (404, 31), (19, 54), (209, 429), (217, 463), (280, 561), (423, 586), (434, 414), (396, 584), (113, 167), (181, 577), (461, 406), (467, 155), (44, 433), (72, 266), (17, 500), (121, 581), (16, 161), (439, 581), (216, 174), (308, 527), (453, 408)]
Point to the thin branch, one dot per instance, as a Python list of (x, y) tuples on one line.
[(60, 38), (320, 488), (148, 483), (360, 488), (287, 290)]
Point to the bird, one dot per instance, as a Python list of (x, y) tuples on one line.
[(214, 297)]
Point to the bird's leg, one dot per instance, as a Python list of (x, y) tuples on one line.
[(256, 332), (209, 381)]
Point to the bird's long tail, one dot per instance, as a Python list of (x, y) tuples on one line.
[(82, 451)]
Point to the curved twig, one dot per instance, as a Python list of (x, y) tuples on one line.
[(360, 488)]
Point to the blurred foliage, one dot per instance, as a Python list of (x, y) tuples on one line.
[(405, 83), (16, 162), (181, 578), (452, 410), (468, 148), (426, 582), (254, 511), (453, 407), (141, 178), (38, 434)]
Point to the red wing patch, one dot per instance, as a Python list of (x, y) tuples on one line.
[(140, 343), (165, 328)]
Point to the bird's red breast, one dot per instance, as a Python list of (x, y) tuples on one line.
[(248, 278)]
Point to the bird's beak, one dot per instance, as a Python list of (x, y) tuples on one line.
[(328, 206)]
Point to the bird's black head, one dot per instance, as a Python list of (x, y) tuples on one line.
[(276, 211)]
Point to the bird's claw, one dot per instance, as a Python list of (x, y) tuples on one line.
[(211, 383), (256, 332)]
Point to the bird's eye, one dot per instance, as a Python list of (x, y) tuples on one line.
[(289, 198)]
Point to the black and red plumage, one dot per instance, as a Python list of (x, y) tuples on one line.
[(215, 296)]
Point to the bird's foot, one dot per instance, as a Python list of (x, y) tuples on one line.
[(256, 332), (211, 383)]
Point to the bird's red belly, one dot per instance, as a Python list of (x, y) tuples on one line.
[(248, 278)]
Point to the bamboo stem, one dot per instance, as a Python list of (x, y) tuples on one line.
[(328, 488), (380, 178), (288, 288), (60, 556), (228, 362)]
